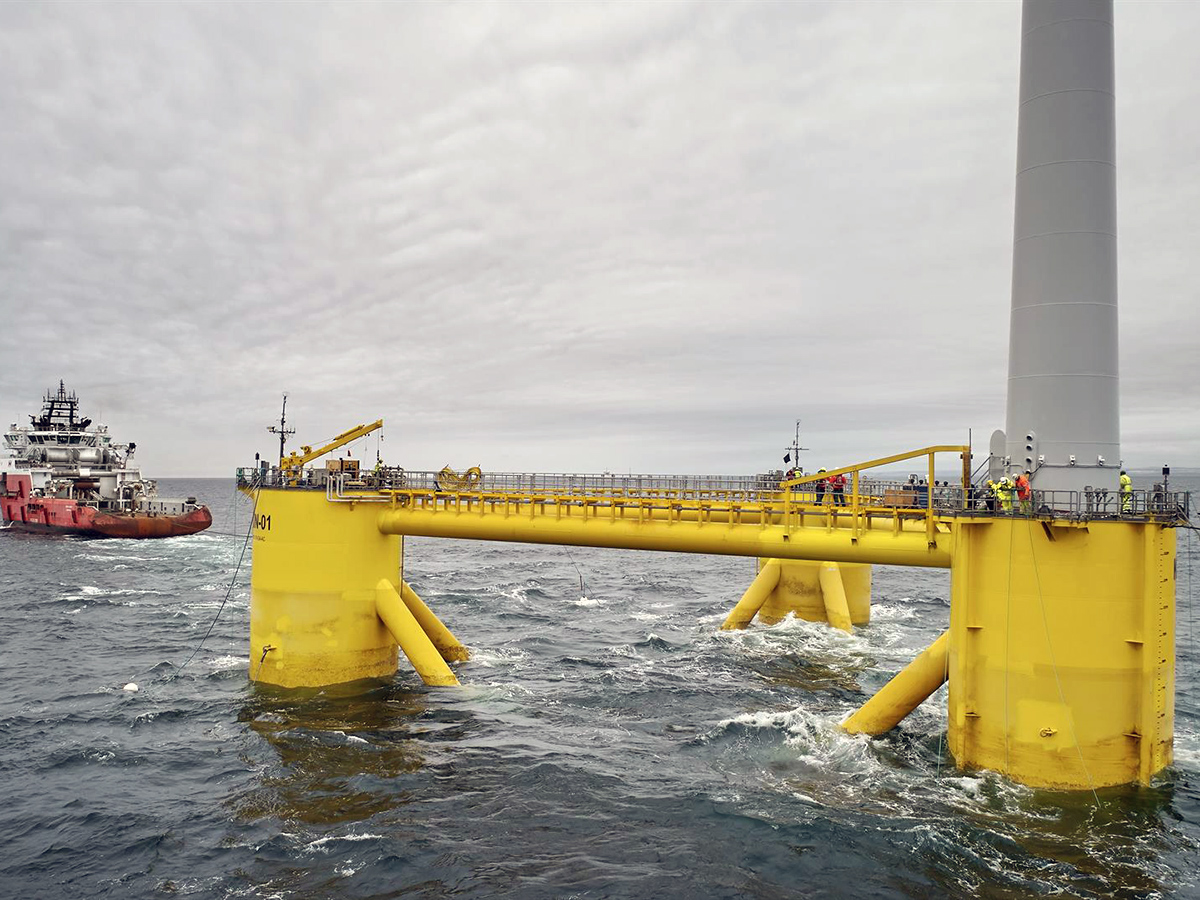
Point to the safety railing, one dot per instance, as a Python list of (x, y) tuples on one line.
[(1155, 504), (727, 500), (804, 500)]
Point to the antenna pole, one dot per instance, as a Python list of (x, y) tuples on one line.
[(796, 448), (283, 431)]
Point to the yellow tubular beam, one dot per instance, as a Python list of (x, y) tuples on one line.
[(601, 530), (905, 692), (756, 595), (450, 648), (837, 610), (410, 636)]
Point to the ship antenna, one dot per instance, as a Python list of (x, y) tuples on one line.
[(283, 431)]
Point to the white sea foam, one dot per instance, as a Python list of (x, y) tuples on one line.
[(891, 612), (340, 838), (1187, 751), (501, 656), (641, 615), (88, 590)]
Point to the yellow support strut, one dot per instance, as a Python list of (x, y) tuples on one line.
[(450, 648), (905, 692), (756, 595), (837, 610), (411, 637)]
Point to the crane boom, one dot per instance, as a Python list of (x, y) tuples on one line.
[(308, 454)]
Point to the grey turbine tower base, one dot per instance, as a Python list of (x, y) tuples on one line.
[(1063, 389)]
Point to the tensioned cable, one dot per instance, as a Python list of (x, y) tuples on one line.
[(1192, 598), (577, 572), (942, 732), (1054, 664), (228, 591), (1007, 644)]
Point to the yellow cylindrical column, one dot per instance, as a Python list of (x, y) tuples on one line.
[(411, 637), (1063, 655), (312, 591), (760, 589), (450, 648), (905, 692), (800, 593)]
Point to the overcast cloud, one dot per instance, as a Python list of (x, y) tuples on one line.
[(564, 237)]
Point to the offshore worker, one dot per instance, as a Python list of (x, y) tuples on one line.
[(1126, 493), (1004, 490), (837, 484), (1024, 494), (819, 485), (990, 495)]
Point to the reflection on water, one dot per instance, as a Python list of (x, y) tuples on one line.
[(340, 751), (1010, 840)]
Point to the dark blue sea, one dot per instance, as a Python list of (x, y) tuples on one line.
[(608, 741)]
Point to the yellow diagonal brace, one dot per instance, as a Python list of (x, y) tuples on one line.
[(410, 636), (450, 648), (756, 595), (837, 610), (905, 692)]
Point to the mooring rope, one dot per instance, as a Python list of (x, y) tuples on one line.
[(229, 590)]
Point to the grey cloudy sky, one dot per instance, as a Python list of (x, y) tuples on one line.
[(567, 237)]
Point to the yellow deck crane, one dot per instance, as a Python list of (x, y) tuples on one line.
[(289, 466)]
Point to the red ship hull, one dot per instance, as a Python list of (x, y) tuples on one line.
[(20, 510)]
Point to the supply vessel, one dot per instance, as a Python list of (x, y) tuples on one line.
[(64, 474)]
